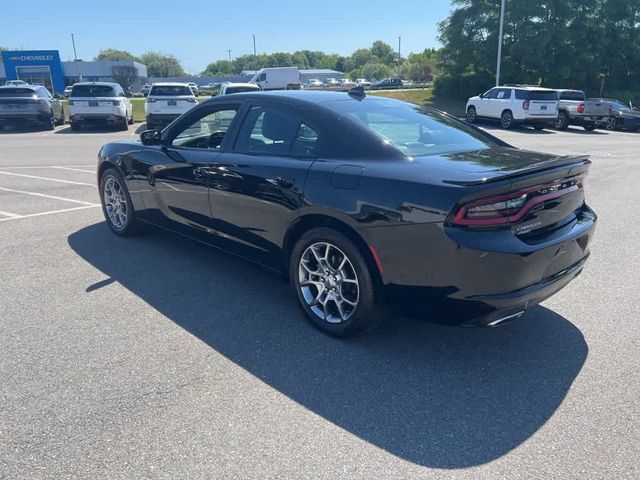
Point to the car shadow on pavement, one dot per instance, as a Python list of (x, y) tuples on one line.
[(436, 396), (520, 129)]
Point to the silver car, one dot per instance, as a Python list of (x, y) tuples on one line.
[(28, 105)]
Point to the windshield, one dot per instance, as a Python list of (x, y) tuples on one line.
[(241, 89), (620, 105), (170, 90), (93, 91), (543, 95), (17, 92), (414, 130)]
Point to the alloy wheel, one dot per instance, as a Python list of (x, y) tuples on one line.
[(328, 282), (506, 120), (471, 115), (115, 203), (612, 123)]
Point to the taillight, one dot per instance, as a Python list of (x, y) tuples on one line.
[(501, 210), (581, 108), (525, 104)]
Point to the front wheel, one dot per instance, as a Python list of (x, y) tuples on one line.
[(612, 123), (506, 119), (116, 204), (333, 283)]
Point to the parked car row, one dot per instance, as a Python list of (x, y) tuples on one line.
[(540, 108)]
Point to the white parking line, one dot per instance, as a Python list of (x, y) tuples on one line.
[(53, 197), (18, 217), (47, 178), (7, 214), (74, 169), (41, 167)]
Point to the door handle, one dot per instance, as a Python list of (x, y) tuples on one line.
[(284, 182)]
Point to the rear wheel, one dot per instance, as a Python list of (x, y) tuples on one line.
[(124, 125), (116, 204), (506, 119), (51, 123), (538, 127), (131, 118), (472, 115), (562, 123), (333, 283), (75, 126)]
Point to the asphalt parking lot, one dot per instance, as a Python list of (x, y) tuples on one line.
[(155, 357)]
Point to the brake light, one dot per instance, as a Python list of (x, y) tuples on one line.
[(581, 108), (525, 104), (501, 210)]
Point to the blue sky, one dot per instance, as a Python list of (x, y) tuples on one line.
[(186, 29)]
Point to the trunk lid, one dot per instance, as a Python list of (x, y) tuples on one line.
[(93, 105)]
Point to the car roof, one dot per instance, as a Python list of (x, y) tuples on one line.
[(105, 84), (239, 84), (170, 84)]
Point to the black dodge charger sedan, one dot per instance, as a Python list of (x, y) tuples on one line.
[(357, 198)]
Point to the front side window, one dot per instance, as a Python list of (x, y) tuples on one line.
[(207, 131), (93, 91), (493, 93), (413, 130), (267, 130)]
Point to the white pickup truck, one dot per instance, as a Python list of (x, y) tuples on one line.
[(575, 109)]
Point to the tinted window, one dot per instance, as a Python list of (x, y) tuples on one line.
[(16, 92), (202, 128), (575, 95), (504, 94), (43, 92), (271, 131), (413, 130), (543, 95), (170, 90), (240, 89), (93, 91), (522, 94), (619, 106), (493, 93)]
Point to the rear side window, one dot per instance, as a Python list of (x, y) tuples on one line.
[(93, 91), (522, 95), (575, 95), (170, 90), (240, 89), (543, 95), (504, 94), (16, 92), (268, 130)]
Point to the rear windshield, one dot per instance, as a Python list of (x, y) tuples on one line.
[(16, 92), (241, 89), (542, 95), (576, 95), (93, 91), (413, 130), (170, 90)]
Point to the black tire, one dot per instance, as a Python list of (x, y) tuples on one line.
[(538, 127), (612, 123), (129, 226), (75, 126), (472, 115), (123, 126), (589, 127), (506, 120), (366, 313), (562, 123), (51, 124), (130, 121)]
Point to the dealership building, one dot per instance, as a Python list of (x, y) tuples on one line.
[(44, 67)]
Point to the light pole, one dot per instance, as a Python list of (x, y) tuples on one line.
[(229, 52), (399, 57), (500, 34), (75, 57), (254, 45)]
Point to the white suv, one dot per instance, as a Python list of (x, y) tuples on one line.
[(99, 103), (514, 105), (166, 102)]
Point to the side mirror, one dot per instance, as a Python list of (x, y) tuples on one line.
[(481, 95), (151, 137)]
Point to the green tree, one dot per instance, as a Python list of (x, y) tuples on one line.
[(161, 65), (112, 54), (125, 75)]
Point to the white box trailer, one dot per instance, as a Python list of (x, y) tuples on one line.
[(279, 78)]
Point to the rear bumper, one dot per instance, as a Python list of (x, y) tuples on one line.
[(546, 120), (459, 276), (17, 118), (96, 118), (162, 118)]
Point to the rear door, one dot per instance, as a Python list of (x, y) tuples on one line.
[(256, 186), (502, 102)]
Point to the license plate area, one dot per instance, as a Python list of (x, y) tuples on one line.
[(543, 107), (172, 103), (93, 104)]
